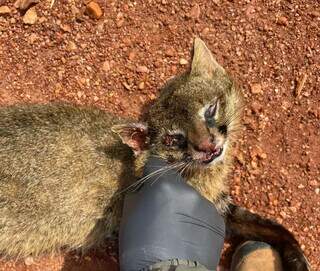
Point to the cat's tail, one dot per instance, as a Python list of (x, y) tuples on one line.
[(245, 225)]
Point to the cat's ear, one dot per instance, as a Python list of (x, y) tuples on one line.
[(135, 135), (203, 62)]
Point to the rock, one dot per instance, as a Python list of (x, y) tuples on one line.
[(169, 52), (28, 261), (256, 107), (293, 209), (256, 88), (141, 85), (74, 10), (205, 31), (120, 22), (283, 214), (66, 28), (71, 46), (4, 10), (31, 16), (183, 61), (254, 164), (315, 13), (283, 21), (24, 4), (126, 85), (93, 10), (142, 69), (152, 96), (257, 152), (80, 94), (195, 12), (106, 66), (317, 190), (313, 183), (240, 158), (132, 55), (33, 37)]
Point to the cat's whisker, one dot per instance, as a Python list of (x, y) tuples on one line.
[(175, 167), (185, 167), (145, 178)]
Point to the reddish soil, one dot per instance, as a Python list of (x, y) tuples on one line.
[(119, 62)]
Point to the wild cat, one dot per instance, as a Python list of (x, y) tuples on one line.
[(194, 125), (63, 167)]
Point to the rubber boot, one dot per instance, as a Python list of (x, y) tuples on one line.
[(256, 256)]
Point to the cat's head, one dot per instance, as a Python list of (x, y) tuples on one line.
[(195, 118)]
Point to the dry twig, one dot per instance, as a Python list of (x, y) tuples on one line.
[(300, 84)]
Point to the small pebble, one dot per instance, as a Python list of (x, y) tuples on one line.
[(71, 46), (169, 52), (42, 19), (183, 61), (24, 4), (282, 21), (74, 10), (141, 85), (132, 55), (93, 10), (66, 28), (315, 13), (256, 88), (195, 12), (283, 214), (142, 69), (33, 37), (4, 10), (31, 16), (127, 86), (313, 183), (106, 66), (29, 261)]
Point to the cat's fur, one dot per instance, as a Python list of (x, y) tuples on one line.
[(61, 166)]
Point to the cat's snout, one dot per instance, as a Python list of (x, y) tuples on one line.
[(206, 145)]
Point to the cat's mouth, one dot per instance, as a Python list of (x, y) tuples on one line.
[(208, 157), (204, 158)]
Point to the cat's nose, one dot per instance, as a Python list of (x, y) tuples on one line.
[(207, 145)]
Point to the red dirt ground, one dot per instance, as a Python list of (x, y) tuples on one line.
[(268, 46)]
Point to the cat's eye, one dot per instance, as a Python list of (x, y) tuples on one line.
[(209, 115), (175, 140), (223, 129)]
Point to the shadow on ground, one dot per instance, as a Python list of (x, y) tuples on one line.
[(97, 261)]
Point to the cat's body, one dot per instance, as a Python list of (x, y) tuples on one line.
[(61, 166)]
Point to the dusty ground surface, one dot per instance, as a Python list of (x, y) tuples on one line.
[(119, 61)]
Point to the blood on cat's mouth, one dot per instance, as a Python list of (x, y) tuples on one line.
[(208, 157), (205, 157)]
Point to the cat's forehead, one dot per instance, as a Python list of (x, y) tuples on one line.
[(177, 113)]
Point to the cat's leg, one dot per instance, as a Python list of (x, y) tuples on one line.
[(245, 225)]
